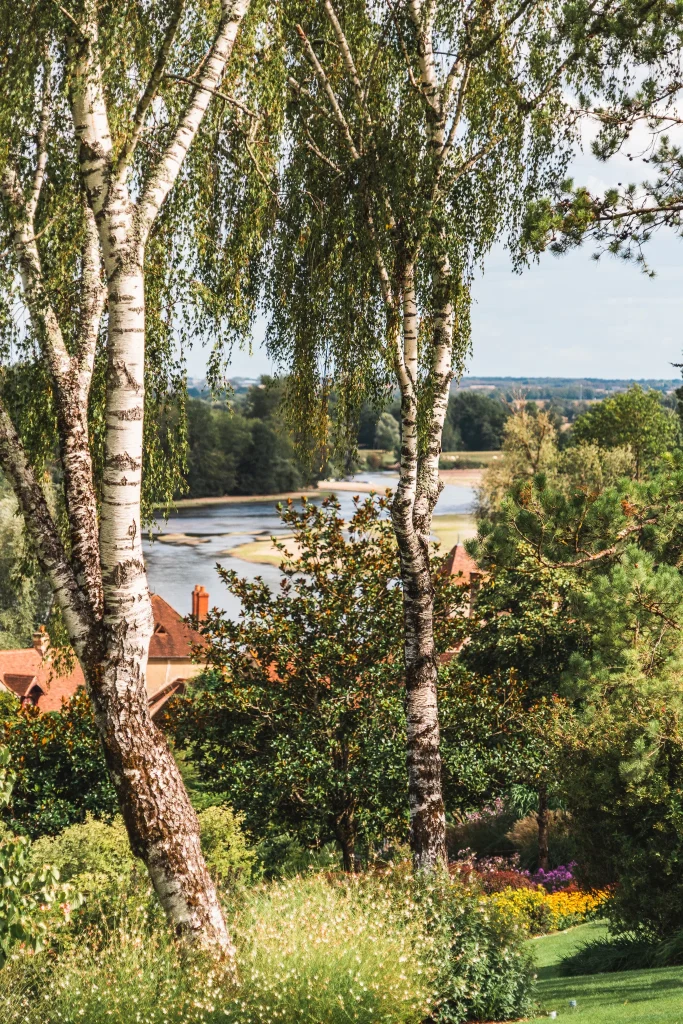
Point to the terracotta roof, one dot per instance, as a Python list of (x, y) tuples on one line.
[(459, 563), (21, 684), (172, 638), (22, 670)]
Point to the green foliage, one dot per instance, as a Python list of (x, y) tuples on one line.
[(224, 845), (387, 434), (300, 722), (246, 449), (623, 953), (24, 599), (30, 891), (60, 771), (636, 419), (623, 780), (195, 290), (95, 857), (484, 971), (477, 422)]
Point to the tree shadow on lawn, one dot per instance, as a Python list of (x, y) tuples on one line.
[(593, 991)]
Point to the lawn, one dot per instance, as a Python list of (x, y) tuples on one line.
[(631, 997)]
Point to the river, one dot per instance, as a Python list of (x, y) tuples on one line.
[(174, 570)]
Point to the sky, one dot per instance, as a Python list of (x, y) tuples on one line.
[(566, 316)]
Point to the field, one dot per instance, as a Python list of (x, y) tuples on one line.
[(630, 997)]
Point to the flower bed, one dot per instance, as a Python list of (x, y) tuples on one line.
[(538, 911)]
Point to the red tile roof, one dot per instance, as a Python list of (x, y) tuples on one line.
[(22, 670), (459, 563), (172, 638)]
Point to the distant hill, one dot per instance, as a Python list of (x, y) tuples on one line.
[(577, 388)]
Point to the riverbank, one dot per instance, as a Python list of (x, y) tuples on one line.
[(448, 530), (459, 477)]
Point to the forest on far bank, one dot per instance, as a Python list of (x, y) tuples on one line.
[(245, 446)]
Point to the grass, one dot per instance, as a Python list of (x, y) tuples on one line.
[(653, 996), (453, 529), (480, 459)]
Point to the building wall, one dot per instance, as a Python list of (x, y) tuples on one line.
[(162, 671)]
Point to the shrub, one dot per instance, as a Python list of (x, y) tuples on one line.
[(523, 837), (32, 900), (224, 845), (308, 951), (484, 971), (95, 857), (624, 953), (485, 832)]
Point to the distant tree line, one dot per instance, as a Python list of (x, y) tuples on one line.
[(245, 448), (476, 421)]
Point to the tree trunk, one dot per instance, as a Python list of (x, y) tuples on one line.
[(416, 495), (542, 819), (160, 820), (161, 823), (427, 815)]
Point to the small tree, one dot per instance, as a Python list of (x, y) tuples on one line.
[(301, 721)]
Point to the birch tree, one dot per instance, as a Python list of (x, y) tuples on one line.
[(100, 106), (419, 130)]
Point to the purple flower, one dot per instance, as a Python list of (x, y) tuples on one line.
[(558, 878)]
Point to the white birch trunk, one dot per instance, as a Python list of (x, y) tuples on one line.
[(101, 585)]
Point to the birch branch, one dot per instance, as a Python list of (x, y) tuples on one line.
[(164, 175), (41, 147), (216, 92), (28, 260), (329, 92), (148, 95)]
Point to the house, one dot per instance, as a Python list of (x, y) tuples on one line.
[(33, 676)]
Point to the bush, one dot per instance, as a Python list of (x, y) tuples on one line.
[(224, 845), (95, 857), (484, 971), (624, 953), (523, 837), (484, 832), (308, 951)]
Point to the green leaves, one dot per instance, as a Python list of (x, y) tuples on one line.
[(300, 722), (28, 896)]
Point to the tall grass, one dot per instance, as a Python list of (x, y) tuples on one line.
[(310, 951)]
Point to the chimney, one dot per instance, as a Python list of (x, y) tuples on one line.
[(41, 641), (200, 603)]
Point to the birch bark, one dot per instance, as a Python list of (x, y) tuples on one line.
[(101, 583)]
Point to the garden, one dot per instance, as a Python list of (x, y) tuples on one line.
[(405, 786)]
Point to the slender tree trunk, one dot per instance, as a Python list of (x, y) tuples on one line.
[(346, 837), (412, 509), (161, 823), (542, 819)]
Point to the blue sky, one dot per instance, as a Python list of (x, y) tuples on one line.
[(567, 316)]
